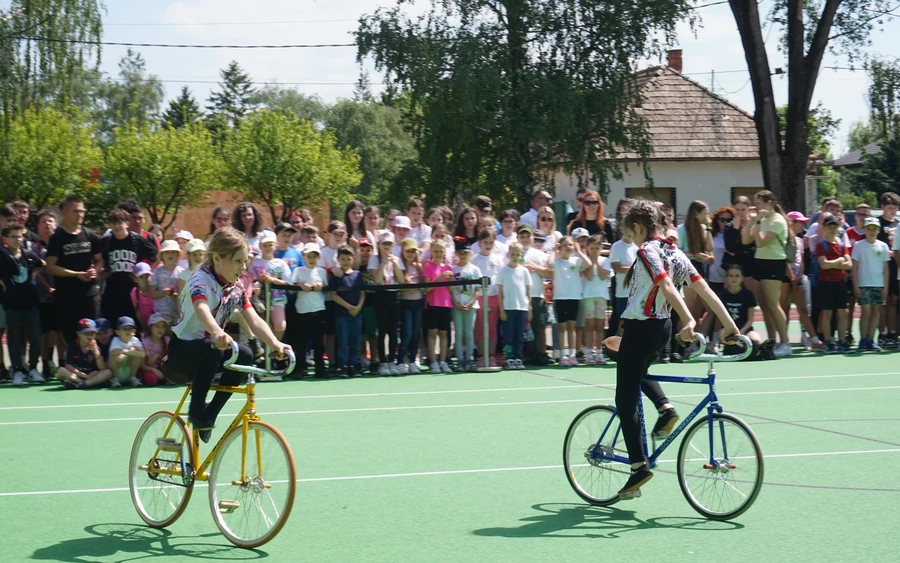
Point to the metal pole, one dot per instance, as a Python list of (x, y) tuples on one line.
[(485, 330), (268, 322)]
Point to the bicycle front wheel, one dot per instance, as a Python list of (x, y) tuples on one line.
[(161, 469), (720, 468), (591, 442), (252, 484)]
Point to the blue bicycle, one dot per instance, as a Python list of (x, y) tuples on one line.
[(719, 465)]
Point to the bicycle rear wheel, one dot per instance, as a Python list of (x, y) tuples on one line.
[(251, 506), (720, 472), (160, 498), (592, 439)]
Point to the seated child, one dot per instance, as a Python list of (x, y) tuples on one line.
[(156, 344), (84, 365), (741, 305), (126, 353), (104, 337)]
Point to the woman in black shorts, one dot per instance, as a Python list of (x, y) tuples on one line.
[(770, 231)]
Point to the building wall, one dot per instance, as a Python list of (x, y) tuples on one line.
[(709, 181)]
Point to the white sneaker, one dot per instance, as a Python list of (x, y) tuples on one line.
[(384, 369), (35, 376), (782, 350), (413, 369), (445, 368), (395, 369), (804, 340), (510, 364), (115, 383), (519, 364), (402, 369), (435, 367), (135, 382), (18, 378)]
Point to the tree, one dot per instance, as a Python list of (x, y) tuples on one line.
[(863, 133), (279, 160), (502, 94), (809, 27), (164, 168), (879, 173), (279, 98), (183, 111), (821, 126), (234, 100), (135, 97), (50, 155), (376, 132)]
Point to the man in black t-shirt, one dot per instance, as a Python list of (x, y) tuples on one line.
[(887, 324), (121, 250), (73, 258), (23, 212)]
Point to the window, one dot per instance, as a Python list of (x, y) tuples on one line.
[(665, 195)]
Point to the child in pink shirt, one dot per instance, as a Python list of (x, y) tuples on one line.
[(438, 306), (143, 303), (156, 345)]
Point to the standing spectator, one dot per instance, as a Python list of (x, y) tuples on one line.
[(221, 217), (337, 234), (18, 268), (489, 264), (165, 280), (402, 229), (596, 296), (310, 307), (484, 207), (509, 222), (296, 221), (857, 231), (890, 202), (411, 302), (797, 287), (285, 234), (465, 305), (871, 277), (834, 259), (739, 246), (368, 345), (272, 271), (568, 268), (540, 265), (466, 222), (515, 296), (695, 241), (721, 219), (387, 269), (348, 320), (419, 231), (579, 197), (74, 259), (246, 219), (436, 216), (136, 220), (354, 219), (546, 225), (622, 255), (23, 212), (373, 220), (770, 232), (46, 225), (539, 199), (591, 217), (439, 304), (122, 250), (183, 237)]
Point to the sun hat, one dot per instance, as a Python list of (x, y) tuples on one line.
[(267, 236), (196, 244), (402, 221), (797, 216), (386, 237), (170, 246), (186, 235), (311, 247)]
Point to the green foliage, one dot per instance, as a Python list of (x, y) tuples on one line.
[(50, 155), (279, 160), (879, 173), (501, 94), (165, 168), (183, 111), (822, 125), (234, 100), (863, 133), (135, 97), (279, 98), (376, 132), (884, 94)]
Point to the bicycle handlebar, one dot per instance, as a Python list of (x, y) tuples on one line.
[(229, 363), (699, 353)]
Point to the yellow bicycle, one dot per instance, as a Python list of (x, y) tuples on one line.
[(250, 472)]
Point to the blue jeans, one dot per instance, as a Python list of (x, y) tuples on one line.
[(349, 333), (410, 328), (514, 332)]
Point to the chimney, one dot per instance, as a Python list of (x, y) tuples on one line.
[(674, 60)]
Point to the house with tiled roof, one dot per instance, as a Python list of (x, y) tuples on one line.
[(703, 146), (854, 159)]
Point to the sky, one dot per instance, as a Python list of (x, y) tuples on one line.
[(712, 52)]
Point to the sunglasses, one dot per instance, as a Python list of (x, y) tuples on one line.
[(545, 199), (546, 219), (725, 219), (591, 202), (510, 220)]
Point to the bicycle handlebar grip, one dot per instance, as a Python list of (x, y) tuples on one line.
[(748, 349), (234, 355), (701, 345), (292, 359)]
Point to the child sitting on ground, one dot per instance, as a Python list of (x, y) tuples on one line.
[(84, 365), (156, 343), (741, 305), (126, 354)]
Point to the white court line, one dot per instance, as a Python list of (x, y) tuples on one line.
[(460, 406), (721, 380), (434, 473)]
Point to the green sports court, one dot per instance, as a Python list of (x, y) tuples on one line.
[(468, 467)]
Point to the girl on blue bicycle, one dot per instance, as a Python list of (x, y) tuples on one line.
[(659, 270)]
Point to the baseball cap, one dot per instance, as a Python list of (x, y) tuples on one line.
[(540, 238), (142, 269), (282, 227), (102, 324), (524, 228), (402, 221), (87, 325), (311, 247), (386, 237), (831, 220), (580, 232), (267, 236), (870, 221), (169, 246), (365, 242), (461, 244), (797, 216), (409, 244), (186, 235), (154, 318), (125, 322), (195, 244)]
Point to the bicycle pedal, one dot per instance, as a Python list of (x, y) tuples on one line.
[(168, 445), (628, 495), (228, 506)]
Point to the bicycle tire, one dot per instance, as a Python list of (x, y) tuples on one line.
[(732, 482), (160, 501), (243, 493), (597, 481)]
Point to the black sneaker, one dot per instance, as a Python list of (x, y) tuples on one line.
[(203, 425), (353, 372), (632, 486), (665, 424), (321, 373), (676, 358)]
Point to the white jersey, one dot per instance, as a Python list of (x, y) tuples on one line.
[(223, 299), (656, 259)]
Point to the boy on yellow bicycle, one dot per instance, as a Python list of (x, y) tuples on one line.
[(198, 347)]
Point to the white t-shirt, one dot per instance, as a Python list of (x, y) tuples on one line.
[(500, 249), (489, 266), (506, 240), (389, 277), (516, 283), (117, 343), (567, 284), (462, 294), (223, 300), (596, 287), (327, 261), (422, 234), (625, 254), (716, 273), (541, 259), (310, 301), (871, 258)]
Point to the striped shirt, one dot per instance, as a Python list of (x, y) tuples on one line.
[(657, 258)]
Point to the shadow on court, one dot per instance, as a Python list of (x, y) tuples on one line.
[(582, 521), (132, 542)]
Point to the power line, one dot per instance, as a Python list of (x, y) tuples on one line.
[(187, 46), (284, 22)]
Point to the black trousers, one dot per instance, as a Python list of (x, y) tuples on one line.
[(387, 311), (309, 325), (198, 360), (642, 343)]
